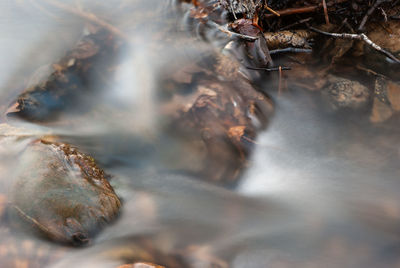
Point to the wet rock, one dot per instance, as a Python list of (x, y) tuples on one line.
[(70, 80), (386, 101), (62, 193), (344, 93), (380, 111), (217, 122)]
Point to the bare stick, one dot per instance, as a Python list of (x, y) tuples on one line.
[(272, 11), (290, 50), (291, 11), (40, 226), (361, 37), (225, 30), (306, 9), (369, 12), (232, 10), (269, 69), (384, 14), (325, 12), (280, 81)]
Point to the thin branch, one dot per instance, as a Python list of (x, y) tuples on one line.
[(290, 50), (325, 12), (269, 69), (272, 11), (291, 11), (280, 81), (225, 30), (361, 37), (306, 9), (384, 14), (369, 12)]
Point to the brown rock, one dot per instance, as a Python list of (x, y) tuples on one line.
[(393, 94), (62, 193), (380, 111)]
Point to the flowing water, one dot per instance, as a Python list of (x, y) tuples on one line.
[(321, 189)]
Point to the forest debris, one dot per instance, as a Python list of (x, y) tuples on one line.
[(361, 37), (285, 39), (292, 11), (389, 41), (304, 9), (369, 13), (257, 52), (273, 69), (272, 11), (236, 7), (225, 30), (325, 12)]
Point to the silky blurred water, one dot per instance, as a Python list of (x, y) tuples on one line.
[(321, 189)]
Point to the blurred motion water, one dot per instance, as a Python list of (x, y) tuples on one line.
[(321, 189)]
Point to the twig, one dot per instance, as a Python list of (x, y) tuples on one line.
[(40, 226), (232, 9), (269, 69), (384, 14), (272, 11), (290, 50), (280, 81), (395, 3), (301, 10), (225, 30), (369, 71), (361, 37), (369, 12), (291, 11), (325, 12)]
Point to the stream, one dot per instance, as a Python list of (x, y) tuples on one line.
[(320, 188)]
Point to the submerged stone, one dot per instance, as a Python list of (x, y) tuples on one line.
[(344, 93), (62, 193)]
